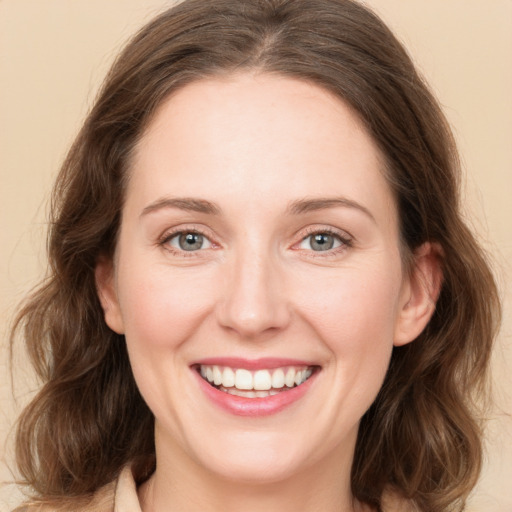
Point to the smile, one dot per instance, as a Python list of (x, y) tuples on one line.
[(255, 384)]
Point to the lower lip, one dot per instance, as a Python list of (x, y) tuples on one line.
[(263, 406)]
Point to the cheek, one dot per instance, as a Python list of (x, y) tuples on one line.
[(355, 310), (355, 319), (161, 308)]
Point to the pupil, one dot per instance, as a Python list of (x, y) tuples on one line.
[(322, 242), (191, 241)]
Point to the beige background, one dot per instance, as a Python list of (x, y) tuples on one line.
[(53, 55)]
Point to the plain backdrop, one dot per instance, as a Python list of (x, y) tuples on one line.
[(53, 56)]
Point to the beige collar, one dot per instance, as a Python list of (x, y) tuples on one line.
[(125, 498)]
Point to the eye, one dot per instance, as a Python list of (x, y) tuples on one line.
[(321, 241), (189, 241)]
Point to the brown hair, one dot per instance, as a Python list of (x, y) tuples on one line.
[(420, 438)]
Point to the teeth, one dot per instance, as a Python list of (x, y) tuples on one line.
[(260, 383), (289, 380), (278, 379), (217, 376), (243, 379), (262, 380), (238, 392), (250, 394), (228, 378)]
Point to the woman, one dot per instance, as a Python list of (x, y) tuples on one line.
[(262, 291)]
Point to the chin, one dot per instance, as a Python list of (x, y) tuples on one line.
[(256, 467), (258, 458)]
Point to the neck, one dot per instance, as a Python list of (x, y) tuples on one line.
[(179, 484)]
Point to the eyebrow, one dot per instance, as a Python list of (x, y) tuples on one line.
[(298, 207), (182, 203), (310, 205)]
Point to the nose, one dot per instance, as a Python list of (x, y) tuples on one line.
[(253, 299)]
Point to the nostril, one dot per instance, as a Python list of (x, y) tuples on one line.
[(251, 320)]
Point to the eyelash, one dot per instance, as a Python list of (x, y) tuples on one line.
[(346, 241), (169, 235)]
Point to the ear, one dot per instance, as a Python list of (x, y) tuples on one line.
[(105, 286), (420, 292)]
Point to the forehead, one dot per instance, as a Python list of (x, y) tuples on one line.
[(257, 136)]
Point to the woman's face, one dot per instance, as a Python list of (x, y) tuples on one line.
[(259, 247)]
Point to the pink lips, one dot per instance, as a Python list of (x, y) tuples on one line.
[(254, 407)]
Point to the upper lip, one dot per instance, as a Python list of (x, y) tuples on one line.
[(253, 364)]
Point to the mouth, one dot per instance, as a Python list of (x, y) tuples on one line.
[(254, 384)]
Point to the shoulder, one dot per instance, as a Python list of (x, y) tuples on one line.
[(101, 501), (118, 496)]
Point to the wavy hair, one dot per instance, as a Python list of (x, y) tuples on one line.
[(421, 438)]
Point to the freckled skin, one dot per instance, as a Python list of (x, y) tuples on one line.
[(252, 145)]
